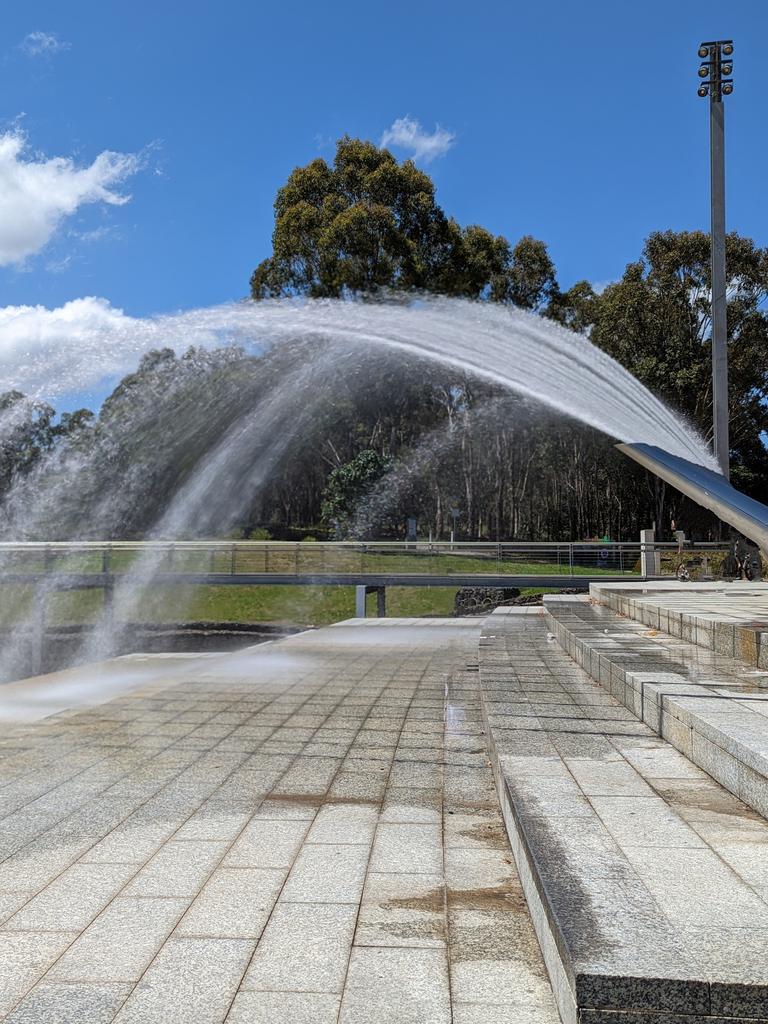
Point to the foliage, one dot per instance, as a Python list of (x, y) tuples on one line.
[(347, 484), (259, 533), (369, 224), (656, 321)]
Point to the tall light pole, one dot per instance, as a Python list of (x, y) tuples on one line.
[(715, 70)]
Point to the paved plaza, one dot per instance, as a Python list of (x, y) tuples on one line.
[(304, 832)]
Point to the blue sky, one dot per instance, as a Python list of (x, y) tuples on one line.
[(577, 123)]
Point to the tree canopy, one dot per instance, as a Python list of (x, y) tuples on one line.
[(656, 321), (368, 224)]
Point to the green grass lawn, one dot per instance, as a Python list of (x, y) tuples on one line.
[(301, 605)]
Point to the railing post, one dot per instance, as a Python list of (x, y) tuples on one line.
[(570, 558), (232, 560), (38, 629), (109, 605), (648, 554)]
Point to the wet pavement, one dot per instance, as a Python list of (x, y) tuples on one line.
[(307, 831), (648, 880)]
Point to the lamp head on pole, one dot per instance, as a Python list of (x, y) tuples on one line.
[(715, 69)]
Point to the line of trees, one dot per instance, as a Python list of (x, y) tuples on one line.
[(405, 439)]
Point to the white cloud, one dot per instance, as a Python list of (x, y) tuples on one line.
[(36, 195), (87, 343), (66, 347), (407, 133), (42, 44), (97, 234)]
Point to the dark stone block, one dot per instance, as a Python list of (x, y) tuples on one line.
[(740, 1000), (664, 995)]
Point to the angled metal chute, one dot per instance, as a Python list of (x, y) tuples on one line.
[(707, 488)]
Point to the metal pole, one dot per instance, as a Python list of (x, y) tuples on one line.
[(646, 552), (715, 82), (719, 314)]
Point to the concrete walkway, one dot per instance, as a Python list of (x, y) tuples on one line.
[(303, 832)]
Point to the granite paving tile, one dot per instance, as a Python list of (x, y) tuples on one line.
[(284, 1008), (178, 869), (402, 910), (344, 823), (532, 1013), (79, 1003), (412, 804), (478, 829), (493, 953), (268, 843), (233, 903), (132, 842), (688, 883), (191, 981), (119, 945), (644, 821), (24, 958), (299, 809), (305, 948), (406, 985), (72, 900), (10, 902), (327, 873), (213, 822), (407, 848)]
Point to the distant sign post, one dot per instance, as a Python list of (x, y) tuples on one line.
[(410, 535), (455, 513)]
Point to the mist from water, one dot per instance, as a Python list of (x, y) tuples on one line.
[(518, 351)]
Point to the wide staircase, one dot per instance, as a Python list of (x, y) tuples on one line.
[(630, 751)]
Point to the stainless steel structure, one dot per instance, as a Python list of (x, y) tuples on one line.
[(707, 488)]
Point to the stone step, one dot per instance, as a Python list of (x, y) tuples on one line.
[(712, 708), (646, 880), (729, 618)]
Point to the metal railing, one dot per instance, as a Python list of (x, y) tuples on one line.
[(376, 558)]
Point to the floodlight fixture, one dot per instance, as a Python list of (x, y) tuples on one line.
[(714, 68)]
